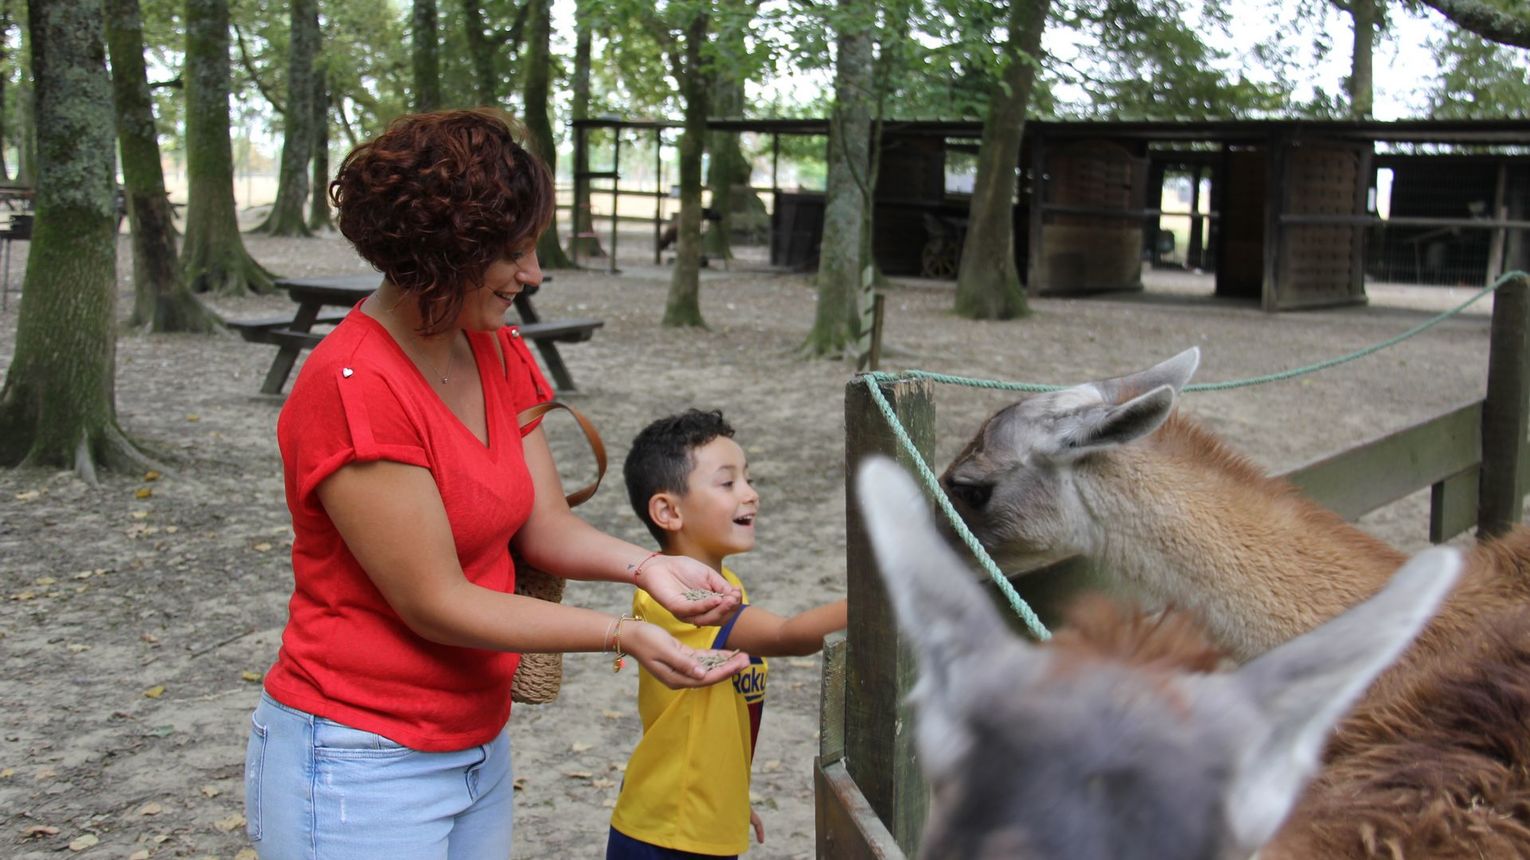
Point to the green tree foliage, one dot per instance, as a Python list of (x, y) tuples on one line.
[(1504, 21), (1479, 79), (1148, 59)]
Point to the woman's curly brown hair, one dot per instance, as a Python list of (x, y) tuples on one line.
[(438, 198)]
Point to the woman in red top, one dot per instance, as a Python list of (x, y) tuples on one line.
[(381, 729)]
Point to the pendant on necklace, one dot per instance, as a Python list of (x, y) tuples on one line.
[(443, 380)]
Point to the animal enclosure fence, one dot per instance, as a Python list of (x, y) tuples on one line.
[(870, 799)]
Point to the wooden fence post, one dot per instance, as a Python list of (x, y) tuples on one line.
[(1506, 412), (879, 665)]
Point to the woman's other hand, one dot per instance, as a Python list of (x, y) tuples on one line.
[(675, 665), (668, 578)]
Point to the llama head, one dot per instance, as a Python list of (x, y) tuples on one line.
[(1038, 752), (1015, 483)]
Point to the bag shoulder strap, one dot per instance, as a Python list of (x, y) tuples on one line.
[(591, 435)]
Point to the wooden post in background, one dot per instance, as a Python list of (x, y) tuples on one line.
[(1506, 412), (879, 664)]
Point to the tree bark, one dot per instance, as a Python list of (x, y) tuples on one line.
[(727, 169), (161, 300), (288, 217), (1366, 15), (426, 56), (58, 405), (538, 63), (842, 258), (987, 283), (1493, 24), (318, 209), (213, 255), (584, 242), (682, 308), (5, 37), (480, 53)]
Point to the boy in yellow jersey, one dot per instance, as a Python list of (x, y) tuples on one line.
[(686, 792)]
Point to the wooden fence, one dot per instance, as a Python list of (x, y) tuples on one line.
[(870, 798)]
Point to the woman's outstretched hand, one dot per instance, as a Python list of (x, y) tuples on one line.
[(674, 664), (673, 580)]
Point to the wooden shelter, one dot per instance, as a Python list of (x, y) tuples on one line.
[(1290, 224)]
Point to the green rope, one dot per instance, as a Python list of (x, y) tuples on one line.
[(932, 483)]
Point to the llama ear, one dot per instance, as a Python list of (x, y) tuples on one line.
[(952, 626), (1306, 685), (1096, 428), (1174, 372), (936, 597)]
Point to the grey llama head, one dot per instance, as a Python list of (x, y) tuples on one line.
[(1032, 754)]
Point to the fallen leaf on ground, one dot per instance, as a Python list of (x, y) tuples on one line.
[(211, 791), (261, 547), (581, 746), (28, 496), (578, 774), (7, 773), (80, 843), (193, 418), (44, 580), (151, 475), (140, 854), (155, 691), (37, 830), (252, 677), (142, 493), (150, 808), (230, 824)]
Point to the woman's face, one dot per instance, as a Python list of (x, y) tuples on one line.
[(484, 309)]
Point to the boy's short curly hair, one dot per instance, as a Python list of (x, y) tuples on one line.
[(661, 458), (439, 197)]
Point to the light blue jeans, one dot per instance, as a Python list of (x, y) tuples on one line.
[(318, 790)]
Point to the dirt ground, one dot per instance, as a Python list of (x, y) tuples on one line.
[(137, 617)]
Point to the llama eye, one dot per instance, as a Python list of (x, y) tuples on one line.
[(971, 495)]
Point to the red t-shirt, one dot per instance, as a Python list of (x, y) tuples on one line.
[(345, 654)]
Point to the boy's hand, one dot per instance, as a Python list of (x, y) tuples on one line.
[(675, 665), (758, 824), (668, 577)]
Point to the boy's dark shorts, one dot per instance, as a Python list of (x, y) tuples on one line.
[(620, 846)]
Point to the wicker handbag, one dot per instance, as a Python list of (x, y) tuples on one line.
[(539, 676)]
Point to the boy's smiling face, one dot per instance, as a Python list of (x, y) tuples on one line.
[(716, 514)]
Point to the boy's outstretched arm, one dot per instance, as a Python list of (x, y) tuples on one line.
[(765, 634)]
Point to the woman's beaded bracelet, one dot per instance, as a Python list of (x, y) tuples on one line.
[(615, 635), (638, 570)]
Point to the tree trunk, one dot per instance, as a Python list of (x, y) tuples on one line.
[(58, 404), (1367, 17), (727, 169), (842, 262), (161, 300), (538, 63), (987, 283), (584, 242), (5, 38), (25, 134), (287, 216), (480, 53), (213, 255), (683, 306), (426, 56), (318, 209)]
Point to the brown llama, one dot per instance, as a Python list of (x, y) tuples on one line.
[(1116, 741), (1434, 762)]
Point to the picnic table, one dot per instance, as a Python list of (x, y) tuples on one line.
[(293, 334)]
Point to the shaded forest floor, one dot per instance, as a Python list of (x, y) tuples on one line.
[(137, 616)]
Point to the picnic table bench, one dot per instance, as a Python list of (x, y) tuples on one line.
[(291, 335)]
